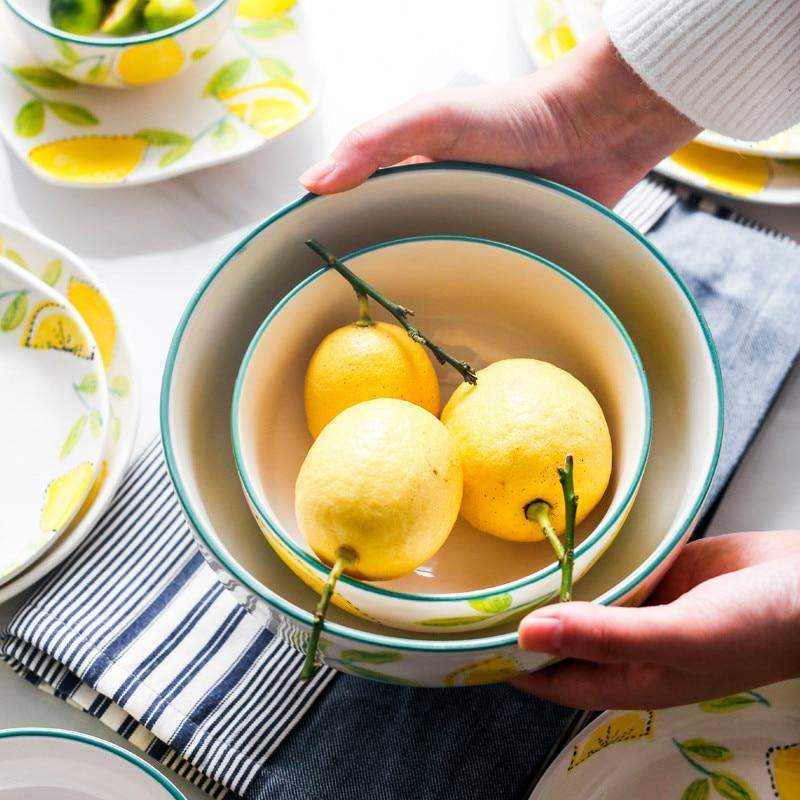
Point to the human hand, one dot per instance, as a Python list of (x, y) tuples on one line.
[(725, 618), (587, 121)]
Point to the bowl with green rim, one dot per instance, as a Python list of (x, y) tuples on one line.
[(506, 205), (119, 62), (482, 301)]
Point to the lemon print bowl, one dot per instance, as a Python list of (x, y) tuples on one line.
[(483, 301), (506, 205), (120, 61)]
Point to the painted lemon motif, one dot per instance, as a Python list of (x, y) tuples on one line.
[(262, 9), (362, 362), (735, 173), (146, 63), (64, 495), (784, 771), (271, 107), (97, 315), (492, 670), (92, 496), (50, 328), (89, 159), (624, 728), (555, 42)]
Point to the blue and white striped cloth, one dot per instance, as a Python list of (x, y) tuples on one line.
[(136, 630)]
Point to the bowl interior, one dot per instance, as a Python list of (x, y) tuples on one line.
[(442, 199), (482, 302)]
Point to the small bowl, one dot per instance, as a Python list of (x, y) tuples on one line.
[(121, 62), (483, 301)]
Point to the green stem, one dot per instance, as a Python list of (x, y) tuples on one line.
[(698, 767), (539, 512), (15, 292), (400, 313), (197, 137), (345, 557), (364, 319), (566, 478)]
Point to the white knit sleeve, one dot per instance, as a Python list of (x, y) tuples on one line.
[(729, 65)]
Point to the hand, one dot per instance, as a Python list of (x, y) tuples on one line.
[(587, 121), (725, 618)]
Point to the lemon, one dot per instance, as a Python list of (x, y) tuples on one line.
[(89, 159), (492, 670), (150, 62), (50, 328), (76, 16), (628, 727), (785, 771), (97, 315), (363, 362), (555, 42), (271, 107), (735, 173), (162, 14), (383, 480), (64, 496), (512, 430), (262, 9)]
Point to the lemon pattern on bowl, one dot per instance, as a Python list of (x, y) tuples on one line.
[(704, 756), (50, 328), (783, 764), (89, 159), (490, 670), (628, 727), (64, 496), (150, 62)]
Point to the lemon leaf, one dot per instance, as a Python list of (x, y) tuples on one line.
[(731, 787), (13, 255), (200, 52), (115, 428), (269, 28), (98, 73), (120, 386), (492, 605), (227, 76), (44, 77), (15, 312), (30, 119), (73, 436), (448, 622), (159, 137), (176, 154), (369, 657), (74, 115), (697, 790), (88, 383), (709, 751), (224, 135), (275, 67), (66, 52), (95, 424), (730, 703), (52, 272)]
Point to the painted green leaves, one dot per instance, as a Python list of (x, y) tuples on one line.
[(74, 436), (30, 119), (731, 787), (224, 135), (44, 78), (178, 143), (227, 76), (493, 604), (697, 790), (74, 115), (269, 28), (120, 386), (725, 784), (704, 749), (15, 310), (275, 68), (496, 607), (734, 702)]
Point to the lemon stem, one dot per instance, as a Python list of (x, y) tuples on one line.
[(344, 557), (364, 319), (539, 512), (400, 313), (566, 478)]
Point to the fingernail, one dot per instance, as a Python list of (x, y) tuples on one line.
[(541, 633), (318, 172)]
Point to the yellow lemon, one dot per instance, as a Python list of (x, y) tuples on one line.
[(49, 328), (784, 770), (492, 670), (92, 496), (555, 42), (627, 727), (64, 495), (97, 315), (262, 9), (512, 430), (363, 362), (89, 159), (141, 64), (271, 107), (735, 173)]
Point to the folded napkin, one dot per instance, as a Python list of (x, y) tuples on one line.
[(135, 629)]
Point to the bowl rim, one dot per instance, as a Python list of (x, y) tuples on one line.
[(121, 41), (595, 536), (478, 644)]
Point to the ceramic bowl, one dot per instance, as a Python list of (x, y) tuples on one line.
[(510, 206), (54, 409), (118, 61), (482, 301)]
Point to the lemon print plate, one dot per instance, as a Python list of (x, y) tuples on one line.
[(98, 405), (766, 172), (744, 746), (255, 85), (48, 358)]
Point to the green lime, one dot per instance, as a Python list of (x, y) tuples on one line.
[(161, 14), (76, 16), (124, 18)]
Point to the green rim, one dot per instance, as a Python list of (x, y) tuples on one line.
[(528, 580), (381, 640), (122, 41), (94, 741)]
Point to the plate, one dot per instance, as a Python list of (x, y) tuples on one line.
[(72, 279), (744, 746), (45, 763), (254, 86), (764, 172), (54, 409)]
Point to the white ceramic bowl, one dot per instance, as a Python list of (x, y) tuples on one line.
[(559, 224), (482, 301), (120, 61)]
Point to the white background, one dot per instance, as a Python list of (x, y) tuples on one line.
[(152, 245)]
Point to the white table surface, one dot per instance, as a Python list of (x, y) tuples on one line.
[(152, 245)]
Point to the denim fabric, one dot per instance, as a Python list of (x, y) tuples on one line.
[(367, 741)]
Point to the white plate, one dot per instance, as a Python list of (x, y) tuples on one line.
[(744, 746), (45, 764), (54, 408), (75, 281), (252, 87)]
